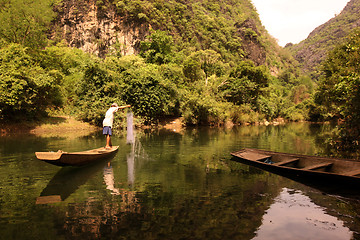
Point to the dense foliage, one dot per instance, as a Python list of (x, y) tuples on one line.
[(198, 24), (196, 66), (26, 88), (231, 28), (338, 95), (245, 84), (25, 21)]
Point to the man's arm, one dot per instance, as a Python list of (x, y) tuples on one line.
[(126, 106)]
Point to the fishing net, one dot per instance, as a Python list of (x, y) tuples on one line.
[(130, 134), (137, 153)]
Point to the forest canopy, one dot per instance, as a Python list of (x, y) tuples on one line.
[(338, 94)]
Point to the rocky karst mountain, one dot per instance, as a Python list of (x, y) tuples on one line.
[(313, 50), (231, 28), (95, 28)]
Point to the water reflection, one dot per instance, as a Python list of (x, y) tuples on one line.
[(294, 216), (109, 179), (137, 156), (131, 166), (165, 186), (66, 181)]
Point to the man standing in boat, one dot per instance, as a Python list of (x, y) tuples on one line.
[(108, 122)]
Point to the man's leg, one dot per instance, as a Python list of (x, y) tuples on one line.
[(108, 141)]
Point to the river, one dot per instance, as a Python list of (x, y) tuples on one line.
[(170, 185)]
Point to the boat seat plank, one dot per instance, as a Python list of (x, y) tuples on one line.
[(353, 173), (252, 156), (292, 160), (316, 166)]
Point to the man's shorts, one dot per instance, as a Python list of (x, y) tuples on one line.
[(107, 130)]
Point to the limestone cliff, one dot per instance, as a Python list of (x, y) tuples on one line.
[(93, 28), (232, 29)]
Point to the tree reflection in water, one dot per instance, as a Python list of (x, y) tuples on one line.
[(96, 219), (184, 186)]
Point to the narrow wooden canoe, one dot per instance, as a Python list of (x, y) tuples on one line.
[(61, 158), (303, 166)]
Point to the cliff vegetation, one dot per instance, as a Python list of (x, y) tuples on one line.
[(312, 51)]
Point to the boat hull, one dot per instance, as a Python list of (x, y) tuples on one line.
[(334, 171), (76, 158)]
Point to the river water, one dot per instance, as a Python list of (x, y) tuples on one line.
[(170, 185)]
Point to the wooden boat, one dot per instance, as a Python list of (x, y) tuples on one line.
[(61, 158), (302, 166)]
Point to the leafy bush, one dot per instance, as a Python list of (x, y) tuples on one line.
[(95, 92), (245, 83), (25, 22), (158, 48), (244, 114), (26, 89), (203, 110), (339, 89), (203, 64), (151, 96)]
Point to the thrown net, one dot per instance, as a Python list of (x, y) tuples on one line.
[(130, 134)]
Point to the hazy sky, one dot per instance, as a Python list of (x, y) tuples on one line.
[(293, 20)]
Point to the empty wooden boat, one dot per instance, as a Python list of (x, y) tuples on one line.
[(297, 165), (61, 158)]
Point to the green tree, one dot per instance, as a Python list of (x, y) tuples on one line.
[(26, 21), (151, 96), (192, 69), (245, 83), (26, 89), (158, 48), (339, 89), (203, 64), (338, 95), (96, 90)]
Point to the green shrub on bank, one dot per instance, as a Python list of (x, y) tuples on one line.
[(203, 110), (85, 86), (95, 93), (151, 96), (300, 111), (244, 114), (339, 88), (245, 84), (26, 89)]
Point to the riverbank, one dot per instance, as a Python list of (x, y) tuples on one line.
[(66, 126), (59, 126)]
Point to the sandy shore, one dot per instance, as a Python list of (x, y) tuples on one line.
[(64, 126), (61, 126)]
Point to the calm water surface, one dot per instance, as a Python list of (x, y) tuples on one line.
[(170, 186)]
